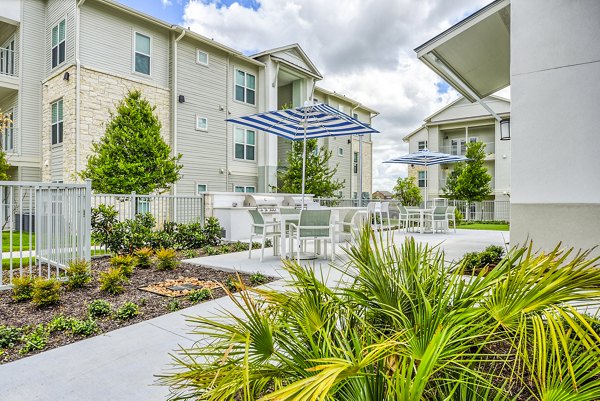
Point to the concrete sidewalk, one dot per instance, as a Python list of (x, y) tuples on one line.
[(121, 365)]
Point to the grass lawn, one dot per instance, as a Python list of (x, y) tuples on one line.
[(16, 241), (480, 226)]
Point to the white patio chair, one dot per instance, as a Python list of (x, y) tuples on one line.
[(375, 211), (314, 225), (451, 214), (260, 228), (438, 219)]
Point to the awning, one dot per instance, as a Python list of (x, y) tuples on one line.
[(473, 56)]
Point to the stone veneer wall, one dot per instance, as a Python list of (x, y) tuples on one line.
[(99, 94)]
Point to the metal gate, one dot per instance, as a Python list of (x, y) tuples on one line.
[(44, 226)]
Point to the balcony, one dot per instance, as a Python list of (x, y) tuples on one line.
[(461, 149), (9, 71)]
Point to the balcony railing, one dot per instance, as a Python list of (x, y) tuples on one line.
[(461, 149), (9, 62)]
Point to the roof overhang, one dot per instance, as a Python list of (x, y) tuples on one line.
[(473, 56)]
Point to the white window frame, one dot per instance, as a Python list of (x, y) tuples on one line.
[(419, 145), (341, 152), (57, 46), (9, 132), (58, 123), (424, 179), (198, 192), (245, 86), (355, 162), (143, 74), (244, 188), (198, 128), (245, 143), (198, 51)]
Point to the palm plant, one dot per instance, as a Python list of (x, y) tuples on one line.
[(404, 325)]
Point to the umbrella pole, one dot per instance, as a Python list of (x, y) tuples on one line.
[(426, 183), (304, 166)]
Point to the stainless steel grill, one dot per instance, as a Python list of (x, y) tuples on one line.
[(263, 203)]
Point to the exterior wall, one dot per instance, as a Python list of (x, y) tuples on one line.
[(554, 110), (107, 44), (100, 93), (32, 41), (204, 153)]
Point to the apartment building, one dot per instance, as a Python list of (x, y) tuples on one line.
[(449, 130), (64, 64)]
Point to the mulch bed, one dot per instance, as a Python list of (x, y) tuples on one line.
[(74, 303)]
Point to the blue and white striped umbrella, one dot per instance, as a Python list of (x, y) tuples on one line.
[(308, 122), (427, 158)]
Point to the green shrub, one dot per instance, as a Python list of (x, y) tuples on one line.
[(190, 253), (232, 284), (58, 323), (166, 259), (471, 261), (112, 281), (458, 216), (104, 218), (492, 254), (257, 279), (45, 292), (125, 263), (127, 311), (212, 231), (122, 237), (9, 336), (143, 257), (99, 308), (22, 288), (199, 295), (79, 273), (213, 250), (35, 340), (173, 305), (85, 327)]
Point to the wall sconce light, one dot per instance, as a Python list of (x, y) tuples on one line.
[(505, 130), (66, 76), (181, 99), (349, 141)]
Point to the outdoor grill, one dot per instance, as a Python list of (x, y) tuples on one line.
[(263, 203), (296, 201)]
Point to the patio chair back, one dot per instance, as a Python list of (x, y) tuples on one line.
[(315, 219), (348, 220), (257, 220), (439, 213), (402, 210), (450, 210)]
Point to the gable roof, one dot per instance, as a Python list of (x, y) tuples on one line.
[(294, 56), (428, 119)]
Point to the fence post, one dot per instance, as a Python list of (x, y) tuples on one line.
[(87, 240), (132, 205)]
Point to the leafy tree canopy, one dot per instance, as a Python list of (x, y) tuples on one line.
[(470, 180), (408, 192), (132, 155), (319, 176)]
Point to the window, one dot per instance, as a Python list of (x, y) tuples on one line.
[(422, 145), (244, 144), (58, 43), (201, 188), (7, 138), (340, 151), (143, 205), (57, 122), (245, 87), (142, 54), (241, 188), (355, 116), (341, 107), (201, 57), (201, 123), (422, 179), (355, 163)]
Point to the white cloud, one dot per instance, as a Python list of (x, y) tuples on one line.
[(166, 3), (364, 49)]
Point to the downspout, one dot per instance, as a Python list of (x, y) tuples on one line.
[(227, 125), (77, 84), (174, 100)]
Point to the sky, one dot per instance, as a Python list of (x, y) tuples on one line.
[(363, 48)]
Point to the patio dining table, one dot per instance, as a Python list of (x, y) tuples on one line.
[(421, 213)]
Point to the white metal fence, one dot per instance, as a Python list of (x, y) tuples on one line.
[(164, 208), (44, 226), (491, 210)]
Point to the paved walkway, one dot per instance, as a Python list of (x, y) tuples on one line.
[(121, 365)]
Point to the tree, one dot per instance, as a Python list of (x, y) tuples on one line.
[(4, 165), (470, 181), (319, 177), (408, 192), (132, 155)]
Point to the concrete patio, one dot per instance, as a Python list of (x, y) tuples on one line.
[(121, 365)]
